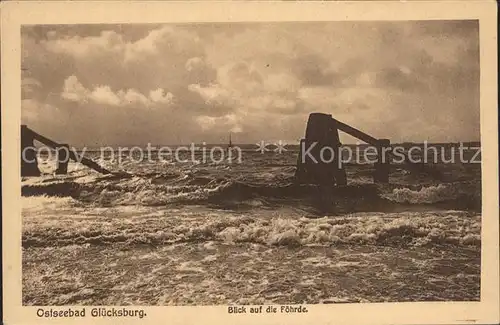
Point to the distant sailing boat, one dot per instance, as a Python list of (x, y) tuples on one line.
[(230, 145), (228, 150)]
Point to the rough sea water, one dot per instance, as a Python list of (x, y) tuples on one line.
[(229, 233)]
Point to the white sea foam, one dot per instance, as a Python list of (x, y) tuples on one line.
[(415, 229), (430, 194), (45, 203)]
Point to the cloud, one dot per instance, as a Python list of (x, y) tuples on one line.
[(212, 94), (194, 63), (154, 57), (35, 112), (157, 40), (110, 42), (407, 81), (104, 95), (82, 47), (159, 96), (228, 122), (250, 89), (29, 85), (74, 91)]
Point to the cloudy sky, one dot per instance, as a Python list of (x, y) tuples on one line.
[(167, 84)]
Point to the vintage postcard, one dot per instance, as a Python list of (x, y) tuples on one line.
[(250, 162)]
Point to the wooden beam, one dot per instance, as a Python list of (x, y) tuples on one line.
[(44, 140), (382, 143), (356, 133), (54, 145)]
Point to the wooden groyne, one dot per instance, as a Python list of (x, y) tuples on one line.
[(322, 132), (29, 162)]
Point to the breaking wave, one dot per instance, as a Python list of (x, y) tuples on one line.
[(166, 189), (431, 194), (234, 229), (463, 194), (402, 229)]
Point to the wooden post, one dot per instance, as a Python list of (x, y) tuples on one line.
[(62, 159), (318, 161), (29, 162), (300, 172), (382, 166), (340, 175)]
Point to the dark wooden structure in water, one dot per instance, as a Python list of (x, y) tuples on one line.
[(321, 163), (29, 162)]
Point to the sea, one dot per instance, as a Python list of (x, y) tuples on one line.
[(244, 232)]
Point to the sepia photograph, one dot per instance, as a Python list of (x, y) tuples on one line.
[(320, 167), (242, 163)]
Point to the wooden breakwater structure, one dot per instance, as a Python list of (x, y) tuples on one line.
[(29, 162), (322, 132)]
